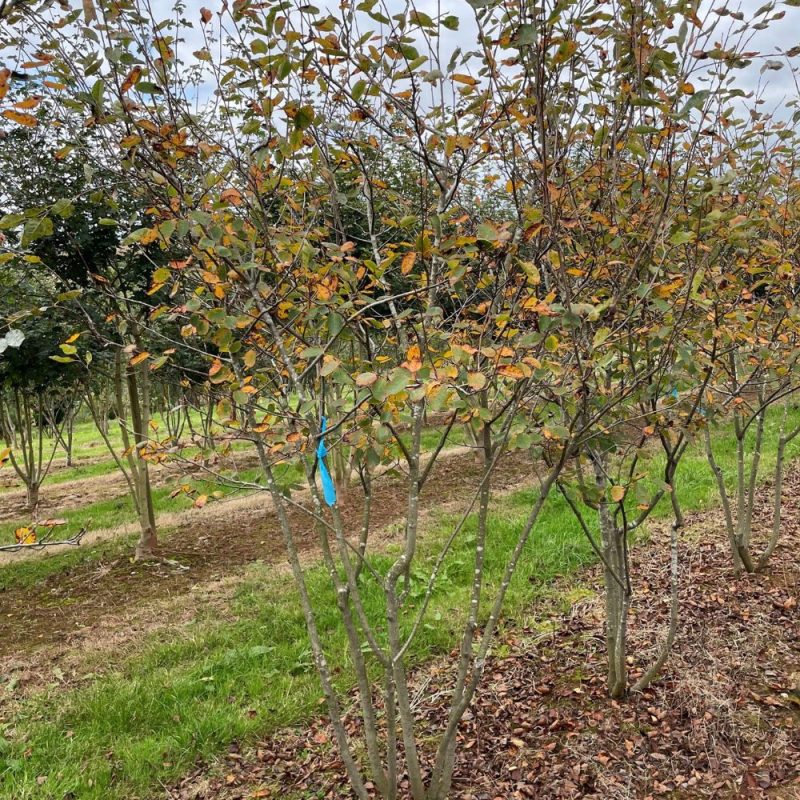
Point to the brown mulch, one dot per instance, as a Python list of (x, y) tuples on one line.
[(81, 596), (723, 722)]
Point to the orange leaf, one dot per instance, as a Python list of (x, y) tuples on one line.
[(205, 15), (30, 102), (511, 371), (25, 535), (407, 263), (413, 361), (137, 359), (466, 79), (130, 81), (28, 120), (617, 493), (39, 62), (201, 501), (149, 236), (232, 196)]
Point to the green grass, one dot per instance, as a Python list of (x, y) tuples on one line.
[(187, 694)]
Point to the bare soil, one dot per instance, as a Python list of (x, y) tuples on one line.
[(723, 722)]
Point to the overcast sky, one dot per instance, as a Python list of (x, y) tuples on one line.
[(780, 36)]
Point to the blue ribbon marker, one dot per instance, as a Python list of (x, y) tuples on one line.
[(328, 489)]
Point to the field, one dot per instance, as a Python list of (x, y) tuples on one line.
[(118, 678)]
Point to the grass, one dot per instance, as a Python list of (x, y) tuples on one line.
[(185, 695), (116, 511)]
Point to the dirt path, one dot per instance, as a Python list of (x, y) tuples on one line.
[(55, 498), (210, 545), (722, 723)]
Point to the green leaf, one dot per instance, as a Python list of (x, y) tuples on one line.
[(63, 208), (526, 34), (36, 229), (682, 237), (8, 221), (304, 117), (600, 336), (487, 232)]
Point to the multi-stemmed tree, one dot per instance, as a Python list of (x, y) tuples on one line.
[(356, 224)]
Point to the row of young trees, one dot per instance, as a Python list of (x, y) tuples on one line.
[(572, 234)]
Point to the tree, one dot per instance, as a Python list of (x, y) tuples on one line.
[(337, 305), (58, 216), (28, 379)]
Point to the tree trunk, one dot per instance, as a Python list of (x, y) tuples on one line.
[(32, 495)]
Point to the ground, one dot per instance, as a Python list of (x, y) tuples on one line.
[(723, 722), (195, 678)]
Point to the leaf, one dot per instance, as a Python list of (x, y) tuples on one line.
[(205, 16), (532, 272), (617, 493), (304, 117), (366, 379), (512, 371), (407, 264), (232, 196), (131, 80), (201, 501), (137, 359), (526, 34), (681, 237), (25, 535), (551, 343), (21, 118), (468, 80), (477, 380), (413, 362), (8, 221), (63, 207), (487, 232), (329, 364), (36, 229), (28, 103)]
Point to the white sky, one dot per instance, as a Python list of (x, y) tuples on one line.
[(776, 86)]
